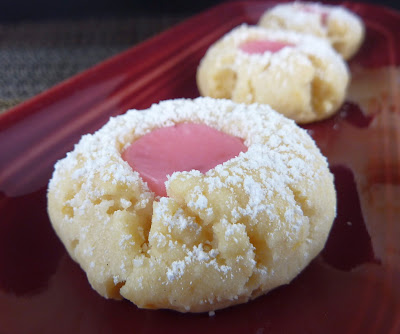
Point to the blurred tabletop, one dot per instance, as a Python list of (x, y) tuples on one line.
[(44, 44), (36, 55)]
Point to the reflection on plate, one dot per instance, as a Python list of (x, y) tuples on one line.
[(352, 287)]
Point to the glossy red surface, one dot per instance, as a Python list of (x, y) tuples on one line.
[(352, 287)]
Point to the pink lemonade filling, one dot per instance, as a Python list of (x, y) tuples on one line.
[(323, 14), (182, 147), (261, 46)]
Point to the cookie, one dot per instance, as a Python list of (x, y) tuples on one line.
[(343, 28), (218, 238), (300, 76)]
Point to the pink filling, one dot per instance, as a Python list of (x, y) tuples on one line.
[(181, 147), (324, 15), (261, 46)]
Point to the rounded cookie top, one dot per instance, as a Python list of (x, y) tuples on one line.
[(303, 78), (343, 28), (217, 239)]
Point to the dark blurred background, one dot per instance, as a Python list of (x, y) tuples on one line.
[(44, 42), (14, 10), (11, 10)]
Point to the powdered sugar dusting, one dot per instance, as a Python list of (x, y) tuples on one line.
[(207, 225), (197, 254), (301, 46), (337, 24), (176, 270)]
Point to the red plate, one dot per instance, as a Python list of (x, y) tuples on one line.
[(352, 287)]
